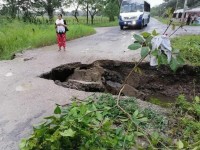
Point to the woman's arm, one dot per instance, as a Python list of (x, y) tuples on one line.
[(65, 24)]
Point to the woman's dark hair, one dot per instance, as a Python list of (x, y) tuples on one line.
[(60, 15)]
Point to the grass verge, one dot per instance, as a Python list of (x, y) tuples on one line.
[(189, 45), (16, 36), (98, 21), (167, 21)]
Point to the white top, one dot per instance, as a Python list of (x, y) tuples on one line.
[(60, 29)]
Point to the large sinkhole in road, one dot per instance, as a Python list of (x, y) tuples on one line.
[(108, 76)]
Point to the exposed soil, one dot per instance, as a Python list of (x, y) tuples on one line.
[(108, 76)]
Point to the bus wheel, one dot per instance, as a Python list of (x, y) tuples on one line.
[(142, 24), (121, 27)]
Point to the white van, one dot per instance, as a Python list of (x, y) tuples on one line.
[(134, 13)]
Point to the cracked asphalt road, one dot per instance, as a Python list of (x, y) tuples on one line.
[(25, 98)]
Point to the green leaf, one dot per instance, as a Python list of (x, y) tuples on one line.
[(155, 52), (134, 46), (148, 40), (144, 51), (174, 64), (163, 59), (139, 38), (93, 108), (107, 123), (130, 138), (57, 110), (68, 133), (143, 119), (138, 133), (180, 60), (119, 130), (99, 116), (136, 113), (124, 120), (22, 144), (196, 148), (145, 34), (138, 70), (180, 144), (197, 99), (154, 33)]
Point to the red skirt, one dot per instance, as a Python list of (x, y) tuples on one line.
[(61, 38)]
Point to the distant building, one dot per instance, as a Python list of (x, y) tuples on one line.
[(195, 12)]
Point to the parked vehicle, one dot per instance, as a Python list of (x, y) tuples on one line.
[(134, 13), (197, 21)]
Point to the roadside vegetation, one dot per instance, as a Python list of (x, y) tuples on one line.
[(97, 22), (36, 25), (97, 123), (167, 21), (189, 46), (16, 36)]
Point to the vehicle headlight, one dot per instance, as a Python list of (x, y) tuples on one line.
[(133, 22)]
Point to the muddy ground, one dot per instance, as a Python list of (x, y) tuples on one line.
[(108, 76)]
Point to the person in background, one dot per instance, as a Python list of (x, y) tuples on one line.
[(61, 27), (189, 19)]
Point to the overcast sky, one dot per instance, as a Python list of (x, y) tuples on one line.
[(152, 2), (155, 2)]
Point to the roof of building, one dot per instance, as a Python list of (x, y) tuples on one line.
[(178, 11), (197, 9), (194, 10)]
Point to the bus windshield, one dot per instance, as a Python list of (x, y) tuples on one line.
[(131, 7)]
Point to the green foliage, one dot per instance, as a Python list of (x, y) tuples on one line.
[(143, 41), (134, 46), (92, 124), (111, 9), (189, 46), (16, 36), (187, 123), (167, 21), (97, 123)]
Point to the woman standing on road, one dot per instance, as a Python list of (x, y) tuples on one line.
[(61, 29)]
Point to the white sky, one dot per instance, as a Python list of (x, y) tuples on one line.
[(152, 2), (155, 2)]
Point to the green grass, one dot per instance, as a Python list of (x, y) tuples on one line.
[(167, 21), (98, 21), (189, 45), (107, 24), (16, 36), (160, 102), (195, 25)]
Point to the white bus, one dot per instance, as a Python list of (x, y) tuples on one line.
[(134, 13)]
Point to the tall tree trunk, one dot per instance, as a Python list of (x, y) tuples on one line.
[(119, 3), (75, 15), (50, 14), (92, 19), (13, 11), (87, 13), (50, 10)]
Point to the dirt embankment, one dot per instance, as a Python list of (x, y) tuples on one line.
[(108, 76)]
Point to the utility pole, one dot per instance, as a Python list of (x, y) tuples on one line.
[(176, 5), (184, 9)]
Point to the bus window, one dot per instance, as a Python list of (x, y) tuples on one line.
[(134, 7)]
